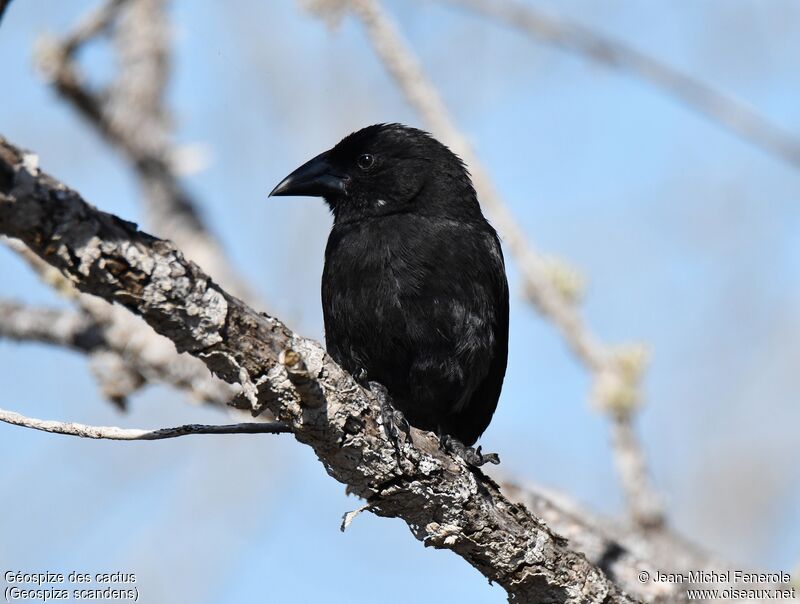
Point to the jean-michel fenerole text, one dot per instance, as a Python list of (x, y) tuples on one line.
[(726, 576)]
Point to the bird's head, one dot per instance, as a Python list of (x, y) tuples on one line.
[(385, 169)]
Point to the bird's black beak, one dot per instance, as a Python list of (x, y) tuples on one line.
[(315, 178)]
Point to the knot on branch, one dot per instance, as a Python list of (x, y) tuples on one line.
[(302, 379), (442, 535)]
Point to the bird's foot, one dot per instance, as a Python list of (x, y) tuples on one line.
[(474, 457), (394, 422), (360, 376)]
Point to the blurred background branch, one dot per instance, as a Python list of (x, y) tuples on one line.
[(56, 326), (736, 116), (130, 113), (125, 355)]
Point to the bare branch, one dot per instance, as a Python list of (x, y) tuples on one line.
[(727, 111), (616, 373), (114, 433), (48, 325), (644, 505), (117, 379), (92, 25), (445, 503)]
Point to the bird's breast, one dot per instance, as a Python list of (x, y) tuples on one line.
[(378, 255), (361, 268), (370, 274)]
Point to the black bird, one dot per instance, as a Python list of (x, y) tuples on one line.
[(414, 290)]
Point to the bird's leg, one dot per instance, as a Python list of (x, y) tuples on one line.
[(473, 457), (394, 422)]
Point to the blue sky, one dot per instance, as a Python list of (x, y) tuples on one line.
[(688, 238)]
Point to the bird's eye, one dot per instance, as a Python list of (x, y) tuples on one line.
[(365, 161)]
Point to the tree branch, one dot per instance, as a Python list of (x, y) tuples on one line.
[(114, 433), (56, 326), (445, 503), (727, 111), (78, 331), (645, 506), (93, 24)]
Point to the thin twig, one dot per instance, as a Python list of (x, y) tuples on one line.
[(736, 116), (616, 373), (644, 504), (114, 433)]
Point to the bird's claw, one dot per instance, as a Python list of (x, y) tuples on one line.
[(474, 457), (492, 458), (394, 422), (360, 376)]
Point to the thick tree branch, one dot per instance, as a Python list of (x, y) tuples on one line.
[(114, 433), (734, 115), (445, 503), (549, 284)]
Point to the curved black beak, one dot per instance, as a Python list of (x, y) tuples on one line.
[(315, 178)]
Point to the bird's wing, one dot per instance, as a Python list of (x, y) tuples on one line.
[(457, 324)]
